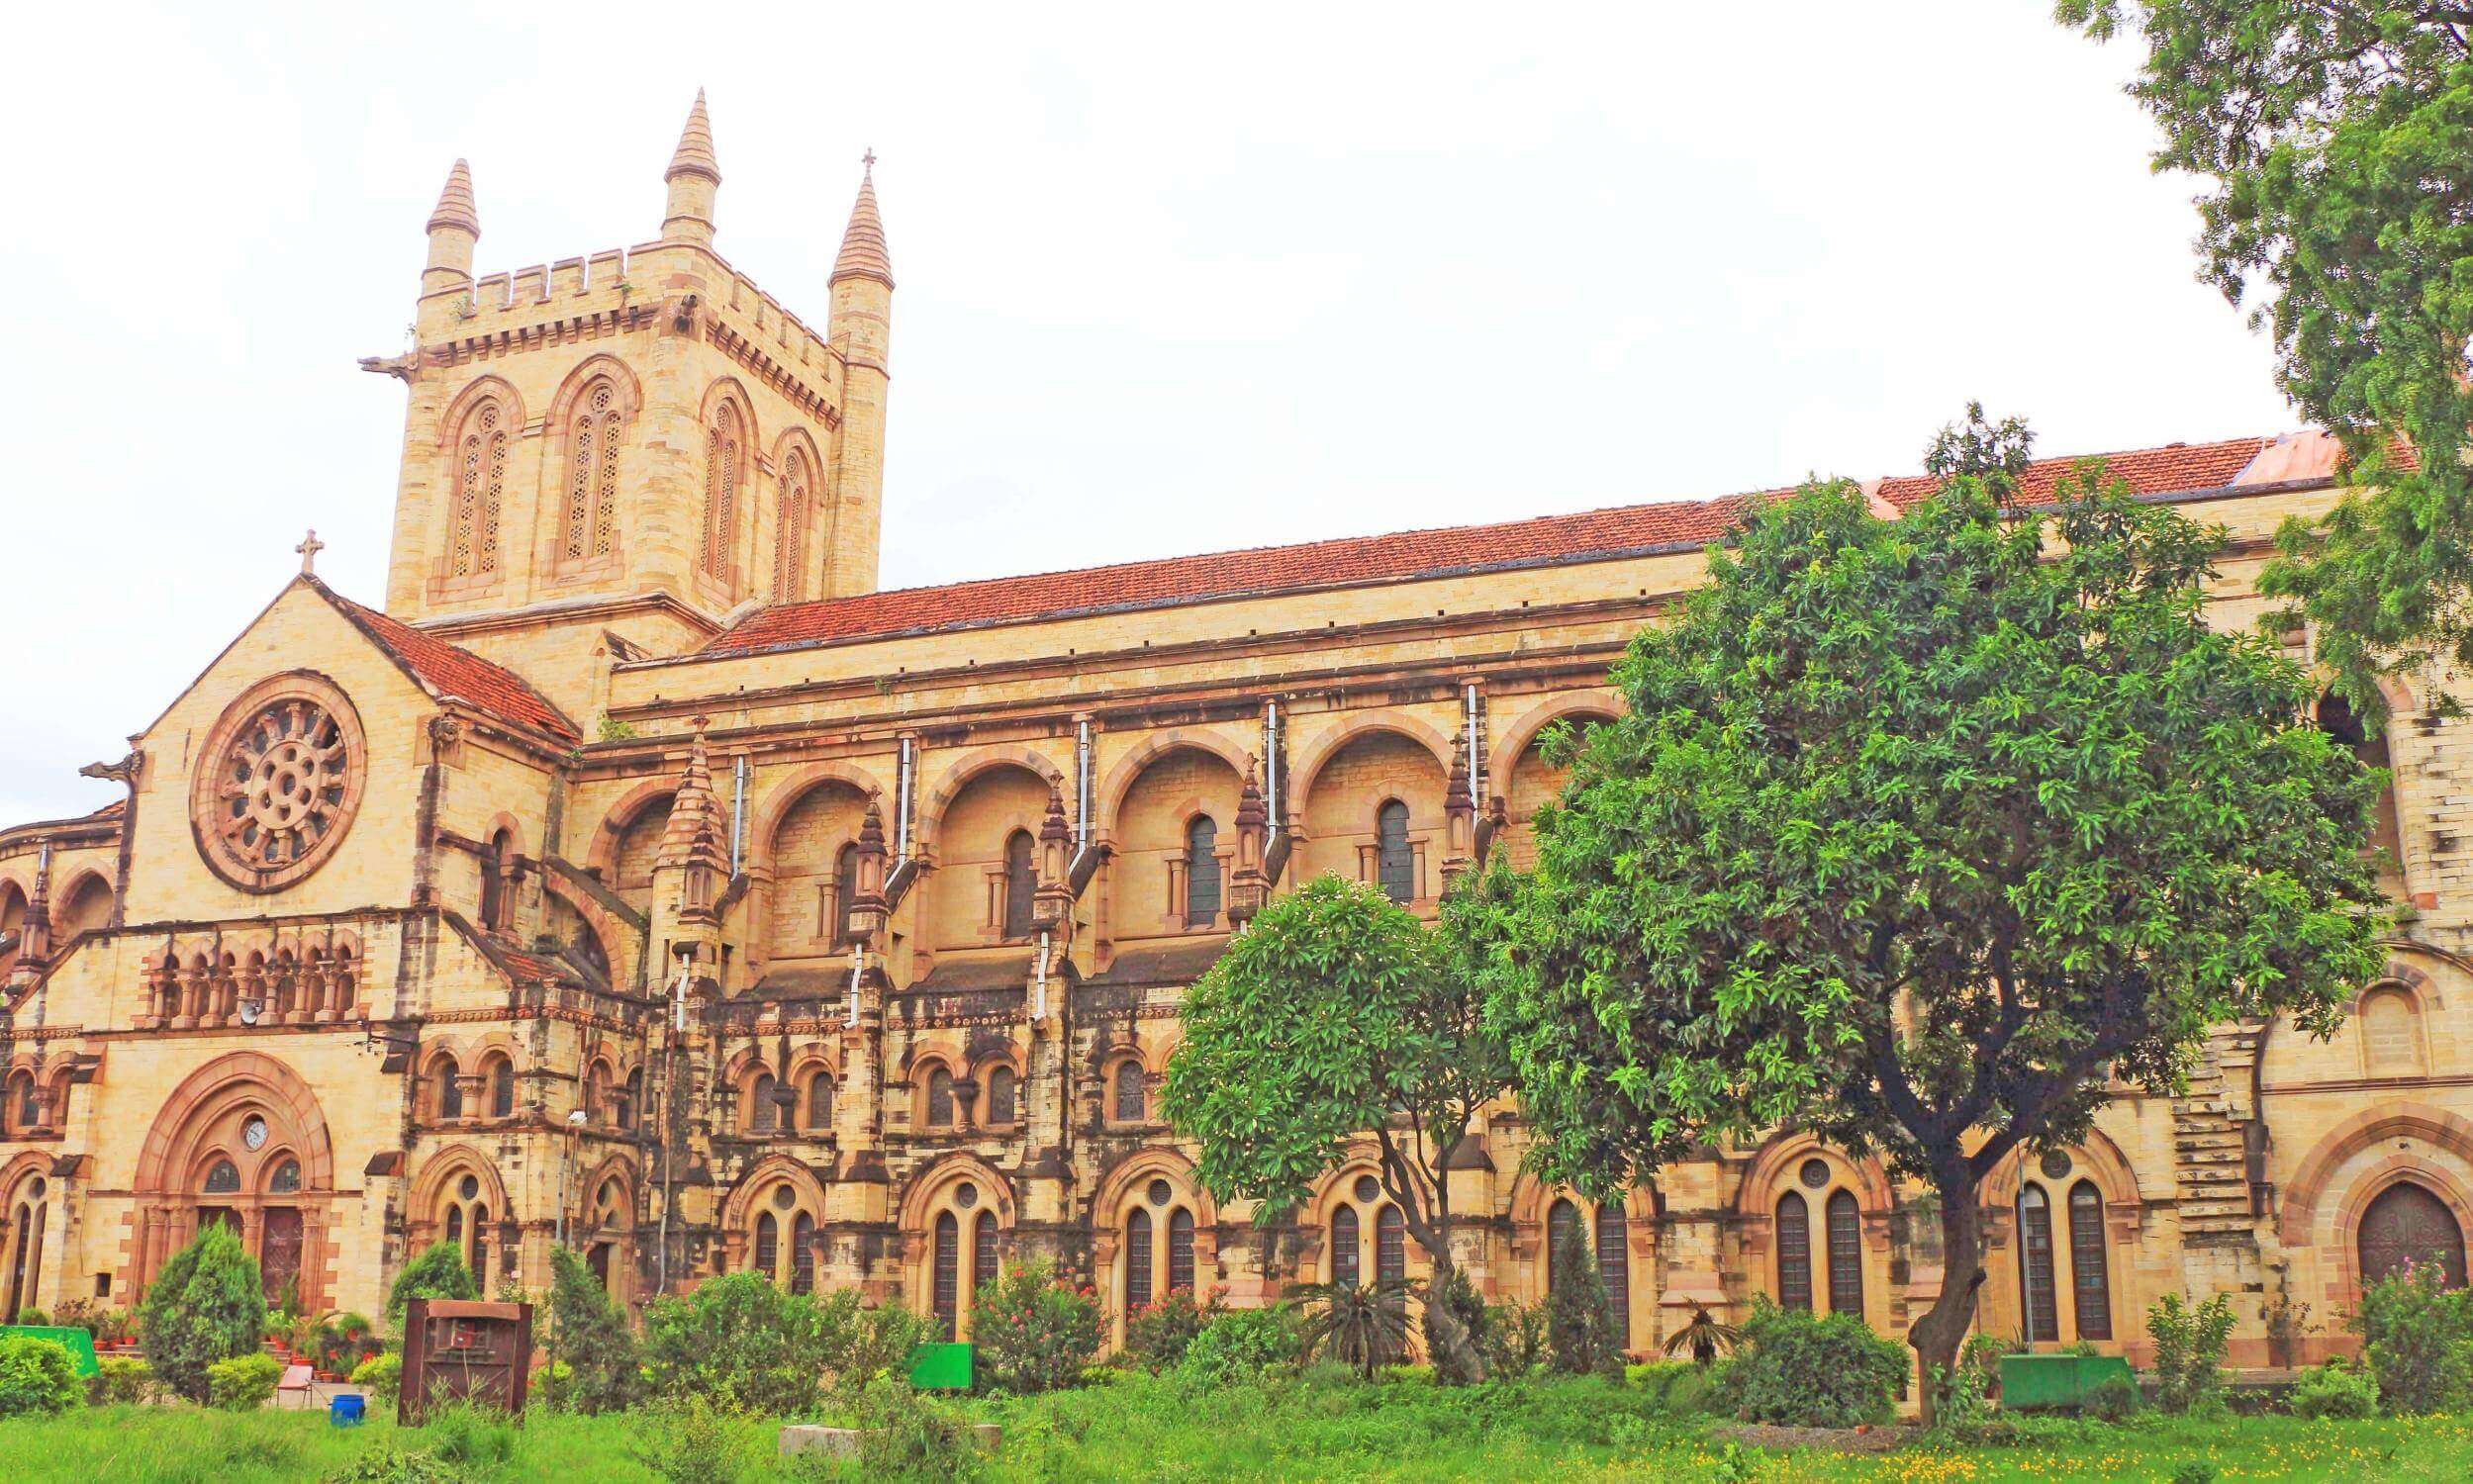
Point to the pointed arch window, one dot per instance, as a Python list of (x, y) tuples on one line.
[(768, 1246), (1390, 1249), (1181, 1250), (1002, 1099), (480, 491), (1344, 1255), (790, 556), (940, 1099), (2090, 1275), (1395, 862), (224, 1178), (1846, 1255), (1794, 1252), (724, 462), (820, 1102), (763, 1111), (1021, 882), (503, 1088), (1137, 1260), (1614, 1268), (1130, 1104), (2039, 1318), (946, 1284), (1202, 872), (1562, 1219), (589, 518), (803, 1254), (984, 1251), (450, 1090)]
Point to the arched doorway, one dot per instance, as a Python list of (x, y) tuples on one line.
[(242, 1142), (27, 1213), (2406, 1224)]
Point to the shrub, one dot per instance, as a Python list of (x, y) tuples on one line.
[(1364, 1329), (590, 1338), (863, 1344), (244, 1383), (906, 1435), (1513, 1339), (381, 1375), (2418, 1337), (1035, 1331), (121, 1381), (2113, 1399), (1158, 1333), (740, 1343), (436, 1271), (2334, 1389), (690, 1441), (469, 1435), (390, 1462), (36, 1376), (2189, 1351), (1581, 1332), (1803, 1370), (1240, 1345), (207, 1305)]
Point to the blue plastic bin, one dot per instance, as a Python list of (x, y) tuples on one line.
[(347, 1411)]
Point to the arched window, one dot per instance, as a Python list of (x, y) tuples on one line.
[(768, 1246), (1794, 1252), (1130, 1106), (2408, 1223), (2389, 1038), (25, 1104), (763, 1113), (803, 1254), (494, 891), (1846, 1255), (450, 1093), (480, 1254), (286, 1180), (1345, 1242), (480, 491), (789, 555), (1395, 865), (1021, 882), (940, 1099), (1181, 1250), (1137, 1260), (1202, 872), (2090, 1276), (2337, 719), (946, 1297), (27, 1213), (1000, 1099), (724, 452), (632, 1105), (1391, 1250), (845, 893), (1614, 1268), (224, 1178), (502, 1089), (2039, 1316), (1563, 1220), (820, 1102), (589, 518), (984, 1251)]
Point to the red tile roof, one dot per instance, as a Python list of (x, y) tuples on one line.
[(444, 670), (1592, 536)]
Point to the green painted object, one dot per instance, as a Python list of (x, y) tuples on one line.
[(80, 1343), (2030, 1382), (941, 1367)]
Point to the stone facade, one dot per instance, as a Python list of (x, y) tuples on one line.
[(644, 879)]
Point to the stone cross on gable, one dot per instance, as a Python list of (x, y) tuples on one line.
[(309, 548)]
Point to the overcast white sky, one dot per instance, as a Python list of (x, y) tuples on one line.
[(1172, 278)]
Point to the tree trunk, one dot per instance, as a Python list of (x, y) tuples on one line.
[(1941, 1333), (1457, 1360)]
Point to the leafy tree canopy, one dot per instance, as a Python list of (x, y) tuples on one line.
[(436, 1271), (1914, 831), (2335, 142)]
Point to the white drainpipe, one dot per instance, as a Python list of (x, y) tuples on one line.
[(901, 802), (1039, 983), (1476, 778), (1270, 768), (858, 967)]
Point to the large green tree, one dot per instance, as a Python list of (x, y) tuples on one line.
[(1337, 1016), (2335, 140), (1916, 832)]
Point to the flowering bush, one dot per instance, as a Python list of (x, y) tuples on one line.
[(2418, 1335), (1033, 1330), (1158, 1333)]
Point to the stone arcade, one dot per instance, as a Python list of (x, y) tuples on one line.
[(642, 876)]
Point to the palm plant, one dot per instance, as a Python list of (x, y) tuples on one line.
[(1367, 1328), (1704, 1337)]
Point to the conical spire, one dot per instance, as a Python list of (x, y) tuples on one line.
[(694, 836), (455, 208), (863, 252), (695, 147)]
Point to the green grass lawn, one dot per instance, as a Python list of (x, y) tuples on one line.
[(1146, 1430)]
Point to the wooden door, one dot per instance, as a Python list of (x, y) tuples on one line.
[(2410, 1224), (279, 1249)]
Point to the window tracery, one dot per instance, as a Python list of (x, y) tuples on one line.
[(724, 444), (590, 519), (480, 491)]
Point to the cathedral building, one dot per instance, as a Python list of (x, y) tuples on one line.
[(640, 877)]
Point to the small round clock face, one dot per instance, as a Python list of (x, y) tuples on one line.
[(253, 1133)]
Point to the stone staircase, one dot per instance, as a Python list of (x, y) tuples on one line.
[(2210, 1164)]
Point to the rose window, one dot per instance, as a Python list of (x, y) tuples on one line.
[(281, 781)]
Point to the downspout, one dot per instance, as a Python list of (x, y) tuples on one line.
[(738, 812), (1082, 800), (858, 967), (1476, 776), (1270, 768), (669, 1114), (901, 802), (1039, 984)]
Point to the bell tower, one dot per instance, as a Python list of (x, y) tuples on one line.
[(638, 442)]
